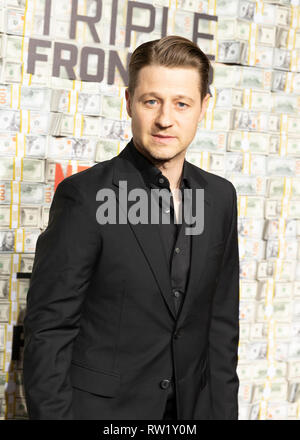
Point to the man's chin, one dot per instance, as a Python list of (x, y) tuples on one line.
[(158, 154)]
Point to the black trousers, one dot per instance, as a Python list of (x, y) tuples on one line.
[(170, 409)]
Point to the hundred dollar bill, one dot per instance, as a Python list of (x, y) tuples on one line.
[(112, 129), (285, 208), (281, 310), (112, 107), (281, 228), (20, 4), (209, 140), (288, 82), (233, 28), (5, 311), (248, 289), (285, 145), (248, 186), (251, 248), (4, 288), (250, 141), (26, 193), (278, 187), (245, 163), (282, 59), (2, 336), (245, 370), (255, 121), (276, 410), (72, 148), (34, 146), (281, 249), (285, 103), (207, 160), (226, 97), (282, 330), (278, 269), (24, 169), (44, 217), (248, 269), (276, 391), (231, 51), (275, 14), (72, 101), (247, 311), (106, 150), (258, 55), (281, 290), (294, 349), (241, 8), (256, 350), (251, 227), (14, 21), (245, 392), (20, 216), (2, 383), (258, 331), (5, 264), (252, 78), (250, 206), (244, 331), (79, 125), (34, 98), (22, 289), (294, 369), (26, 263)]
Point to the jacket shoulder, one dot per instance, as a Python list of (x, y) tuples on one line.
[(92, 177), (215, 182)]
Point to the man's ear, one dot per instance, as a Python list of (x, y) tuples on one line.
[(204, 107), (128, 102)]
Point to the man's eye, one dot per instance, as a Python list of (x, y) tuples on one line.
[(154, 100)]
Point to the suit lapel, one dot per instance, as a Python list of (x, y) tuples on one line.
[(148, 235)]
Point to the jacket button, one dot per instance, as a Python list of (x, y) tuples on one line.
[(177, 334), (164, 384)]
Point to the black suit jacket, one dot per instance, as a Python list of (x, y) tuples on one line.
[(101, 332)]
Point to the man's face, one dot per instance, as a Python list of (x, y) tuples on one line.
[(156, 109)]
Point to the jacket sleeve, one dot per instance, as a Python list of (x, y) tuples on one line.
[(224, 329), (64, 258)]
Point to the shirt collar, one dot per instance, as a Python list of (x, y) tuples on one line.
[(152, 176)]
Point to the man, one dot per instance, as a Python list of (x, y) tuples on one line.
[(139, 320)]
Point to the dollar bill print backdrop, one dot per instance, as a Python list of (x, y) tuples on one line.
[(63, 72)]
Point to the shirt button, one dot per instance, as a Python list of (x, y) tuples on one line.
[(177, 250), (161, 180), (164, 384), (177, 334), (176, 293)]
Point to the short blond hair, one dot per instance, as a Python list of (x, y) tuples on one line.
[(171, 51)]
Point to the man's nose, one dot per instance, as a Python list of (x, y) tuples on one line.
[(164, 115)]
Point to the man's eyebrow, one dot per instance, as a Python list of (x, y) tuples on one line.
[(175, 97)]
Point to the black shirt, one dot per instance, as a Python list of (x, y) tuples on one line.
[(176, 243)]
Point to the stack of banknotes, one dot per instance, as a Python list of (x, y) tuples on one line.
[(250, 135)]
